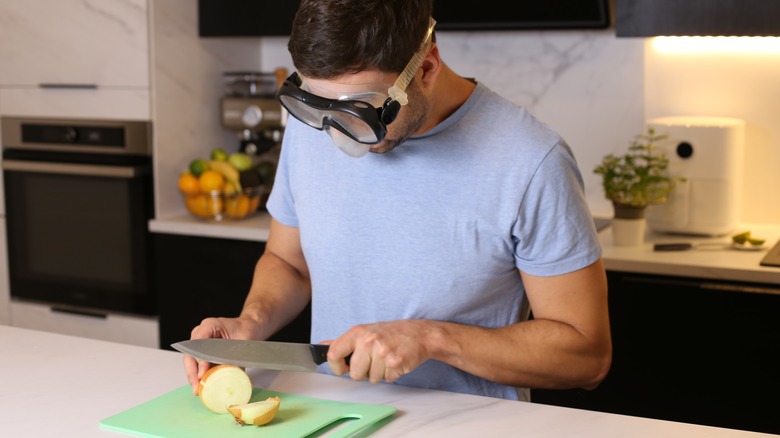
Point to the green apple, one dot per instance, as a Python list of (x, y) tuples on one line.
[(219, 154), (240, 161)]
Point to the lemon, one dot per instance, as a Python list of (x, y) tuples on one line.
[(741, 237)]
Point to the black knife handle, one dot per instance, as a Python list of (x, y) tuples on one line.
[(672, 246), (319, 353)]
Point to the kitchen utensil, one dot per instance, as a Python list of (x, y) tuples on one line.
[(256, 354), (684, 246), (772, 257), (180, 414)]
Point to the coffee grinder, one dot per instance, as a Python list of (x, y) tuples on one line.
[(250, 109)]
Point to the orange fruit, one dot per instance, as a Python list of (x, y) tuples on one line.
[(211, 180), (189, 184), (197, 205), (237, 206)]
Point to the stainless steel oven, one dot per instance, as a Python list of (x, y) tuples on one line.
[(79, 195)]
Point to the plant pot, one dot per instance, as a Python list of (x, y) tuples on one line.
[(628, 225)]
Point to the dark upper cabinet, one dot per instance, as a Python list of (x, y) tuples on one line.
[(646, 18), (241, 18), (245, 18)]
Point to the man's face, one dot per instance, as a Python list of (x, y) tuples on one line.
[(371, 86)]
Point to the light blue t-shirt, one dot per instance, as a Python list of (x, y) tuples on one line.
[(438, 227)]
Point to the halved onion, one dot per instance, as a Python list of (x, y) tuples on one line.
[(224, 385), (257, 413)]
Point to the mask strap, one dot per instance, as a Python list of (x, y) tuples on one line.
[(398, 91)]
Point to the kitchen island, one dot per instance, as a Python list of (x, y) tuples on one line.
[(63, 386)]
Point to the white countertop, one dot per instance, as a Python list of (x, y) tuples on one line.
[(716, 264), (63, 386), (724, 263), (252, 228)]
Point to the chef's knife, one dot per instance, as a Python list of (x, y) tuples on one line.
[(684, 246), (257, 354)]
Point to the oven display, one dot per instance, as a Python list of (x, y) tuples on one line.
[(80, 135)]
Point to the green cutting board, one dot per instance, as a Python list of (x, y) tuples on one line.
[(179, 413)]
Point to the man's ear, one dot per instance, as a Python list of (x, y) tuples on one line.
[(430, 67)]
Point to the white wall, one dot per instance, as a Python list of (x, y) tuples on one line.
[(714, 80), (187, 85)]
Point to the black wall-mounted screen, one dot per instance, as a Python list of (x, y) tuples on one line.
[(245, 18), (242, 18), (521, 14)]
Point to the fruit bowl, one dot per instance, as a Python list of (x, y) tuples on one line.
[(218, 205)]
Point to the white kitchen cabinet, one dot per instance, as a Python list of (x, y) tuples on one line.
[(75, 58), (135, 330)]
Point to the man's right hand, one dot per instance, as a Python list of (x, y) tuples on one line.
[(226, 328)]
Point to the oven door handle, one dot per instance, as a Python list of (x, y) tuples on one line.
[(75, 168)]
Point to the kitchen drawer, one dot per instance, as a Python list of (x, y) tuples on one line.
[(103, 103), (125, 329)]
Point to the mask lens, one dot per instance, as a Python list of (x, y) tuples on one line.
[(346, 144), (308, 115), (355, 126), (318, 118)]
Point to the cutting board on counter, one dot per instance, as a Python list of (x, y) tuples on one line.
[(181, 414)]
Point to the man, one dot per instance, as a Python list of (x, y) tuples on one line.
[(418, 257)]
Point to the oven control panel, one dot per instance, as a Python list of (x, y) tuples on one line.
[(103, 136)]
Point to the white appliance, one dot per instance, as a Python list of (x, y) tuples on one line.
[(709, 153)]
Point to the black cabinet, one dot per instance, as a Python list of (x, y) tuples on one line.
[(689, 350), (645, 18), (248, 18), (198, 277)]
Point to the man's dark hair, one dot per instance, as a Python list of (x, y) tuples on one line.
[(334, 37)]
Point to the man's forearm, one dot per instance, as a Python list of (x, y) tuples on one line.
[(278, 294)]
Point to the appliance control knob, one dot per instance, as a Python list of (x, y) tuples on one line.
[(250, 148), (252, 116), (70, 135), (684, 150)]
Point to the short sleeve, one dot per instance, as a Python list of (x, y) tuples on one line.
[(554, 233)]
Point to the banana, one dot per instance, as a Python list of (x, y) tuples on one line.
[(227, 170)]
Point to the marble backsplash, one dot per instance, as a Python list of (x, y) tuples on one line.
[(593, 88), (587, 85)]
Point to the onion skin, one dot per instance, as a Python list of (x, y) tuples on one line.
[(224, 385), (257, 413)]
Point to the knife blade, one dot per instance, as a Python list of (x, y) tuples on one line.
[(270, 355)]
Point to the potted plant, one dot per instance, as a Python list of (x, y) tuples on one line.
[(636, 180)]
